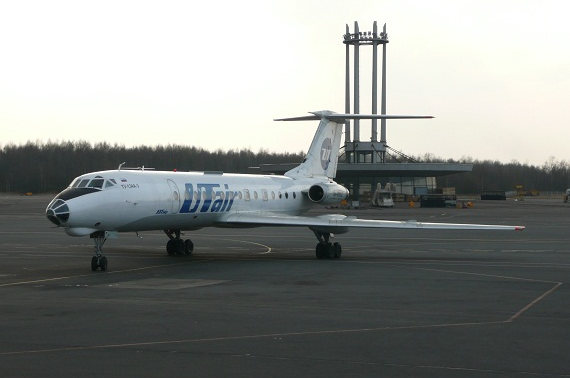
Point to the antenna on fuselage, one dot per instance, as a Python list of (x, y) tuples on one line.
[(121, 165)]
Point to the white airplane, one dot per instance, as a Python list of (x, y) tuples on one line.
[(101, 204)]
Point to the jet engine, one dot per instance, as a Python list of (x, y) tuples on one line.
[(327, 193)]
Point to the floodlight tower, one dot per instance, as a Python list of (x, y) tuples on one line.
[(356, 150)]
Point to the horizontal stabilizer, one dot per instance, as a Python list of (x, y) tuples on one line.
[(340, 118)]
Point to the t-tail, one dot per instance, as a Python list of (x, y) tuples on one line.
[(322, 158)]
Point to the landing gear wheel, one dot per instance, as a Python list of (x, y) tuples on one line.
[(319, 251), (177, 246), (188, 247), (94, 263), (99, 261), (337, 250), (325, 249), (171, 247), (103, 263), (179, 243), (330, 251)]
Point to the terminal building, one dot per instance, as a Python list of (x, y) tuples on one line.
[(365, 163)]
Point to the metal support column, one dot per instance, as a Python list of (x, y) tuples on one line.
[(383, 109), (347, 91), (356, 89), (374, 136), (358, 151)]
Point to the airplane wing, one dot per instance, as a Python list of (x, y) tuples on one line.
[(338, 223)]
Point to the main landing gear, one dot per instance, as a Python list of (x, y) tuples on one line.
[(325, 249), (177, 246), (99, 261)]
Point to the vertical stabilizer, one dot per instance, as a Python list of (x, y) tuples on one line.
[(322, 157)]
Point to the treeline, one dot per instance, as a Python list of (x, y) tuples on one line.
[(494, 175), (38, 168), (49, 167)]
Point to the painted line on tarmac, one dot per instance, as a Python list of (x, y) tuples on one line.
[(394, 259), (526, 307), (42, 280), (516, 315), (535, 301), (488, 275), (248, 337), (93, 274), (268, 251)]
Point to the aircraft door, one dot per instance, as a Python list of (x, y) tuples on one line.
[(174, 198)]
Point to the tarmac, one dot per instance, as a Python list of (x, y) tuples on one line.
[(257, 303)]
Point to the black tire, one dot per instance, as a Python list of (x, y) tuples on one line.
[(188, 247), (171, 247), (103, 263), (179, 243), (319, 251), (337, 250), (330, 251), (94, 263)]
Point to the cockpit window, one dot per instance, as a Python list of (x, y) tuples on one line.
[(83, 183), (96, 183)]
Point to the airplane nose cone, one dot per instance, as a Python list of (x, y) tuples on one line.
[(58, 212)]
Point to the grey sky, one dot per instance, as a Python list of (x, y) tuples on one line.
[(495, 74)]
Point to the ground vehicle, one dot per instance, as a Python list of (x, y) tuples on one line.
[(383, 196)]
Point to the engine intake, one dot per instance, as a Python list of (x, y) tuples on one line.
[(327, 194)]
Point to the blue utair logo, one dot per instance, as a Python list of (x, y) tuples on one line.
[(212, 203), (326, 149)]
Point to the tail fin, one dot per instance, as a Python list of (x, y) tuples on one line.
[(322, 157)]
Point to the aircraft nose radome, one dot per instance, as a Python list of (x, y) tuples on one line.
[(58, 212)]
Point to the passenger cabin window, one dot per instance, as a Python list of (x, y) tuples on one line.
[(254, 194), (264, 195), (272, 195), (246, 194), (286, 195)]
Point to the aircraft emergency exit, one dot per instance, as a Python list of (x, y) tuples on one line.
[(102, 203)]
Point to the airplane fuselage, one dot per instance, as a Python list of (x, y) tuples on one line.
[(137, 200)]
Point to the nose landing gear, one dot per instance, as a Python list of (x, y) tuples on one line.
[(99, 261), (177, 246)]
